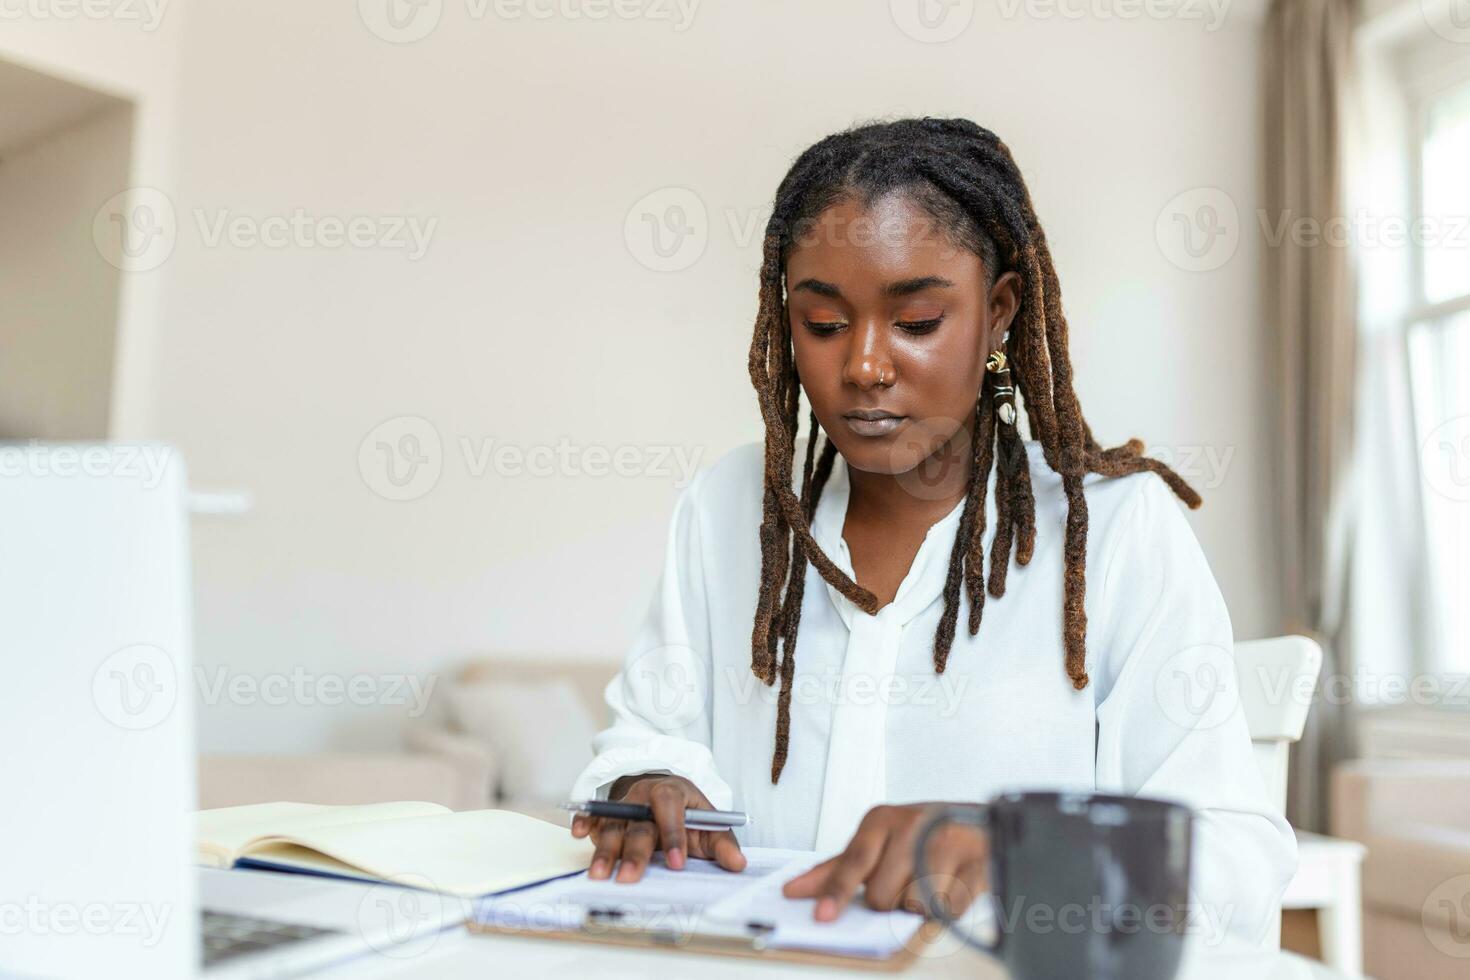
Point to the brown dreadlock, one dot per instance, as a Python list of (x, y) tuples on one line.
[(966, 178)]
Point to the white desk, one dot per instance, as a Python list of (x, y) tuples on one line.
[(457, 955)]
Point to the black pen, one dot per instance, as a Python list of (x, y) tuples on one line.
[(694, 819)]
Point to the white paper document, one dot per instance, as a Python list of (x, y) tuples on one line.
[(705, 900)]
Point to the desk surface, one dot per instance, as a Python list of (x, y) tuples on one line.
[(457, 955)]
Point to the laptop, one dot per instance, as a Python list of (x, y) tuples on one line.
[(98, 761)]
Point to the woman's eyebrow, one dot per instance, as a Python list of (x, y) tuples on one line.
[(903, 287)]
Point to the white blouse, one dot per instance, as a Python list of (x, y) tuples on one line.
[(872, 723)]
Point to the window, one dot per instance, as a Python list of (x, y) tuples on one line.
[(1438, 335)]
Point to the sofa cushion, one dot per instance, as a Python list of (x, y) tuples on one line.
[(331, 778), (540, 731), (1409, 870)]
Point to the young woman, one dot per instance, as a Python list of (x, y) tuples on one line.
[(821, 652)]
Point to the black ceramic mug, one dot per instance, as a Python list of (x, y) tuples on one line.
[(1083, 885)]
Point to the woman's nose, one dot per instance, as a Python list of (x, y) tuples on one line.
[(868, 362)]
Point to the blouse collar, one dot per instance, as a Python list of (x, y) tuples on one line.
[(924, 582)]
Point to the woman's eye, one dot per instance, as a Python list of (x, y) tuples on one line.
[(920, 326), (824, 328)]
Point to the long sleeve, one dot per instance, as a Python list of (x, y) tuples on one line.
[(1170, 724), (660, 699)]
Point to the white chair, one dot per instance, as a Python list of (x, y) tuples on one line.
[(1277, 678)]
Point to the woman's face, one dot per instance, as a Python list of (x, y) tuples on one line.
[(891, 325)]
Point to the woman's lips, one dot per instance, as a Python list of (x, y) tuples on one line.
[(873, 423)]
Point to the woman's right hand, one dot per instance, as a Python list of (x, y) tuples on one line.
[(633, 841)]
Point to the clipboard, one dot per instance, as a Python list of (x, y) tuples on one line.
[(720, 944), (704, 909)]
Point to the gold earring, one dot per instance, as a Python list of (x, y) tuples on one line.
[(1005, 394)]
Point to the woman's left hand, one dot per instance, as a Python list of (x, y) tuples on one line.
[(880, 858)]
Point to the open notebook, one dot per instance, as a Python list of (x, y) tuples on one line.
[(424, 845)]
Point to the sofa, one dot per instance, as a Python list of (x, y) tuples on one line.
[(1413, 816), (505, 733)]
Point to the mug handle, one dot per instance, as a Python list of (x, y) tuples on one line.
[(977, 816)]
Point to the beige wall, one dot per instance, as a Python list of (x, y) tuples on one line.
[(529, 320), (128, 50), (59, 317)]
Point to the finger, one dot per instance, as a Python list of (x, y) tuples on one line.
[(581, 826), (810, 882), (851, 870), (724, 848), (638, 842), (957, 891), (893, 873), (608, 836), (667, 803), (891, 890)]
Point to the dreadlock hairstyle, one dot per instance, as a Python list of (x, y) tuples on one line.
[(966, 179)]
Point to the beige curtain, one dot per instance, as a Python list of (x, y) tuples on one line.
[(1310, 313)]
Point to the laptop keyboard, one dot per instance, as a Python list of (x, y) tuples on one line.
[(227, 935)]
